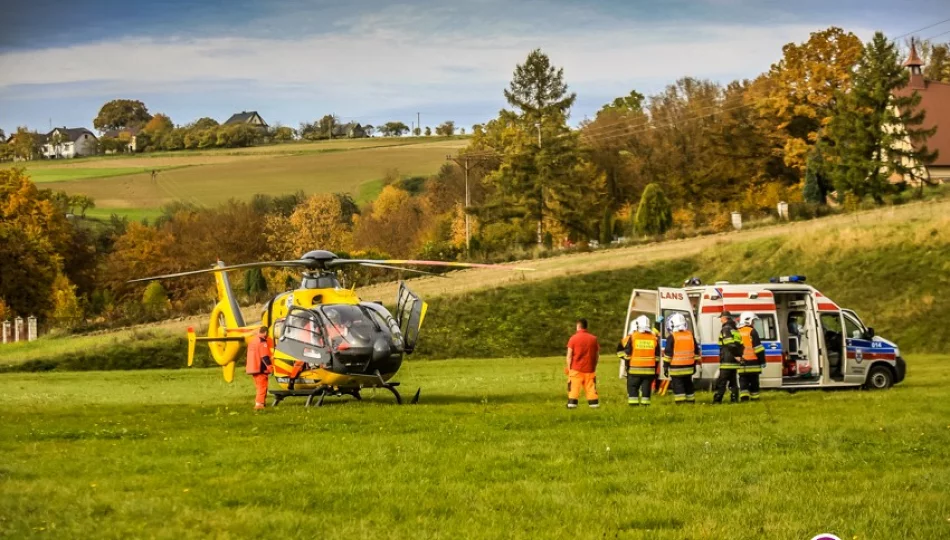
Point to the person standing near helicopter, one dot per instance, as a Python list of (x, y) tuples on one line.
[(259, 365)]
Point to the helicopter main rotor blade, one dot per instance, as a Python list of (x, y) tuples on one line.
[(341, 262), (268, 264), (402, 269)]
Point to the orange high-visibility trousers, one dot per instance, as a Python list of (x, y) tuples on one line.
[(260, 383), (577, 380)]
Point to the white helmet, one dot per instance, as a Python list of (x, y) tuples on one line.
[(746, 318), (676, 323), (640, 324)]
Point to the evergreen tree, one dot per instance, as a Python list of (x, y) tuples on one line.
[(817, 184), (876, 133), (537, 174), (654, 215)]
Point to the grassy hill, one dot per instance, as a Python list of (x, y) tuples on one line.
[(891, 265), (123, 184), (894, 274)]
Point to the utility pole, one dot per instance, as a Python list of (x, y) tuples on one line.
[(541, 205), (418, 124), (464, 163)]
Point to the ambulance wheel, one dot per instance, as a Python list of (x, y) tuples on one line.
[(879, 378)]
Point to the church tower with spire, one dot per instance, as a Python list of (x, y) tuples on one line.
[(914, 64)]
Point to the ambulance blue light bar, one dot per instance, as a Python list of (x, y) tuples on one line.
[(788, 279)]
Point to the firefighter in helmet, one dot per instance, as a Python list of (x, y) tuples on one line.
[(680, 357), (730, 355), (640, 350), (753, 358)]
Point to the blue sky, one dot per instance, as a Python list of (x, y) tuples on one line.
[(373, 61)]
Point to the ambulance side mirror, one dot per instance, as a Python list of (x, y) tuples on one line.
[(869, 334)]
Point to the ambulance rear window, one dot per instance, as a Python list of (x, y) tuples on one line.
[(765, 326)]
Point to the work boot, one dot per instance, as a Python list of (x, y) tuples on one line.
[(594, 403), (572, 404)]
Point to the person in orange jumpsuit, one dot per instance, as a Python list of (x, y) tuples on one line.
[(583, 353), (259, 365)]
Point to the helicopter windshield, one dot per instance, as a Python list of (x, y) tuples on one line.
[(351, 324)]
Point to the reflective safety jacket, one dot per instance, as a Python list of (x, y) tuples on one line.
[(730, 347), (641, 350), (753, 352), (681, 353), (258, 356)]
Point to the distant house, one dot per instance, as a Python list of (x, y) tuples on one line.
[(68, 143), (935, 102), (126, 134), (351, 130), (250, 118)]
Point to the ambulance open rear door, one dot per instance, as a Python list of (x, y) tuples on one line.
[(642, 302), (676, 301)]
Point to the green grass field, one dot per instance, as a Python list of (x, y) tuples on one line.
[(489, 452)]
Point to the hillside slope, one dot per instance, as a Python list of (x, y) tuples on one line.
[(895, 274)]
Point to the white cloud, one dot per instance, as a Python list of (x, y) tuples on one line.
[(402, 55)]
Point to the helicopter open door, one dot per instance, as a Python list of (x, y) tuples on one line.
[(410, 312)]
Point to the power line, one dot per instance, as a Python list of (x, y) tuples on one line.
[(922, 29)]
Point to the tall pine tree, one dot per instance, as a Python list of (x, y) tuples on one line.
[(876, 132), (537, 174)]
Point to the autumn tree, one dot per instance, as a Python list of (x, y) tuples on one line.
[(799, 92), (446, 128), (25, 144), (428, 131), (936, 57), (121, 113), (395, 222), (155, 299), (321, 222), (33, 236), (876, 134)]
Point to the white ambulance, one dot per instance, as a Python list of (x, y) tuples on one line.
[(810, 342)]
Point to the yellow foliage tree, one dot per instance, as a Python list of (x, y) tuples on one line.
[(67, 312), (799, 91), (319, 223)]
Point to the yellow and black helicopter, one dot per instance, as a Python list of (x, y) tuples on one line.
[(324, 339)]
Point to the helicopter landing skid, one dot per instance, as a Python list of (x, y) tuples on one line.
[(320, 393)]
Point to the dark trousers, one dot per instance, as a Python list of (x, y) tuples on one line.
[(727, 378), (639, 388), (749, 386), (684, 391)]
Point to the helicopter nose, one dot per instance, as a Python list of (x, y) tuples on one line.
[(381, 349)]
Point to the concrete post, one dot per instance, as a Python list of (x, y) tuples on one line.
[(783, 210), (6, 331), (17, 329), (31, 328), (737, 220)]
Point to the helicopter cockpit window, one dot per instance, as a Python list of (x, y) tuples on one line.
[(301, 326), (351, 324)]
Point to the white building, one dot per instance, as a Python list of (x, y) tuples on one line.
[(68, 143)]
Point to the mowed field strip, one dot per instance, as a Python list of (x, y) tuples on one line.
[(214, 176), (489, 452)]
